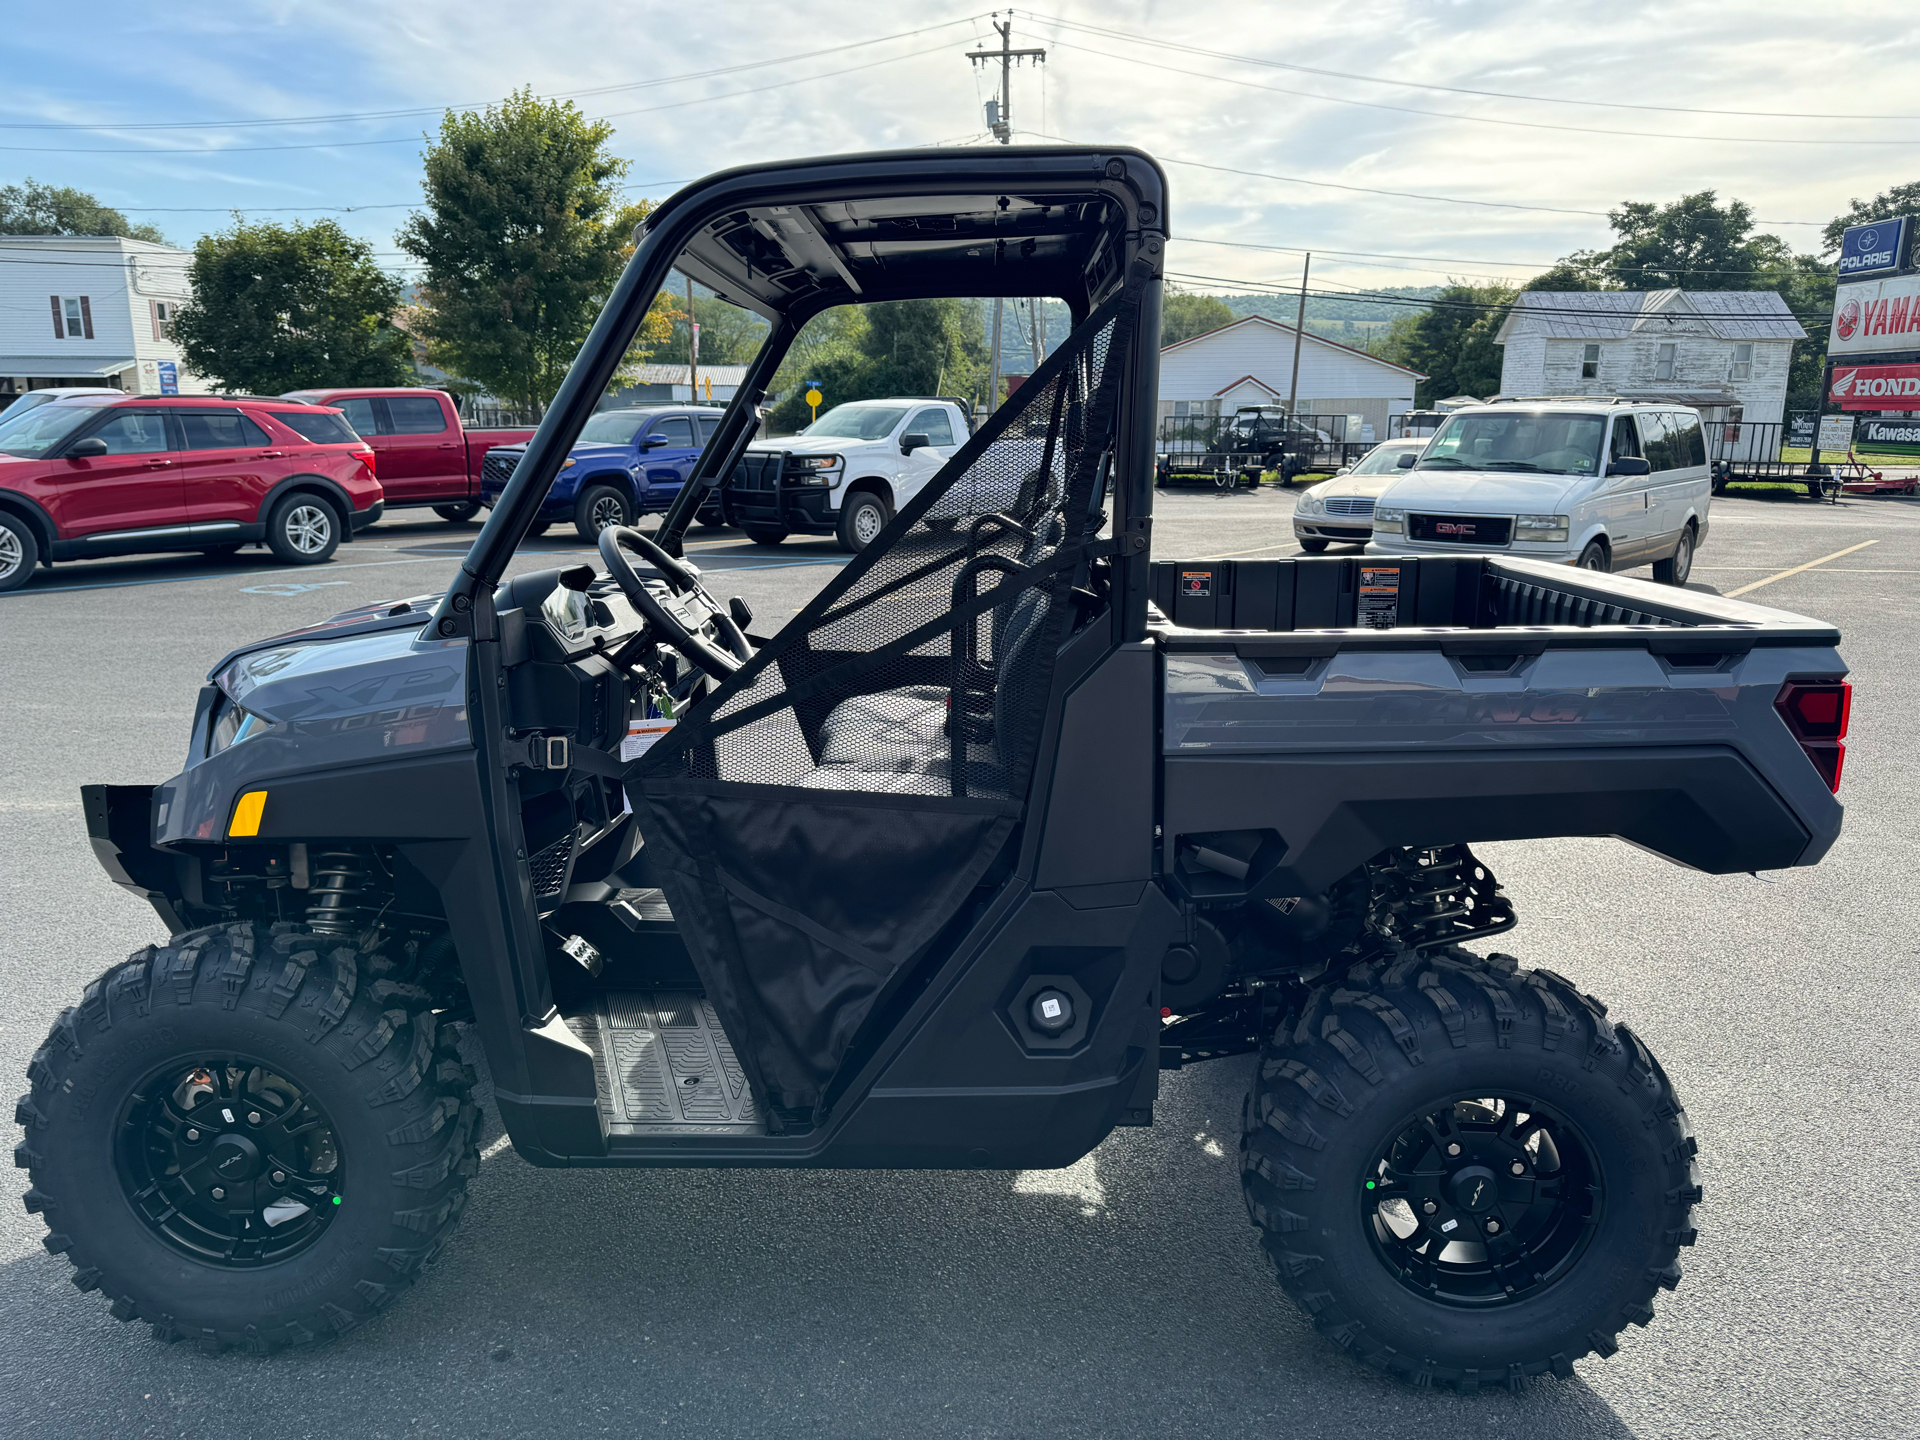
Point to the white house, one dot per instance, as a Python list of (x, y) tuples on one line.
[(1724, 352), (1251, 362), (91, 310)]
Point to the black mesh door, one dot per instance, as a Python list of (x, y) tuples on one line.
[(820, 817)]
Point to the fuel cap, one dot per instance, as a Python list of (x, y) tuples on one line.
[(1052, 1012)]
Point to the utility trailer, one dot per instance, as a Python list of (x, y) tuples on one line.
[(1006, 821)]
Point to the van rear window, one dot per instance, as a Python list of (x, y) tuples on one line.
[(322, 427)]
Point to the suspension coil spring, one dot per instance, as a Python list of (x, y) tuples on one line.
[(1436, 894), (339, 893), (1429, 896)]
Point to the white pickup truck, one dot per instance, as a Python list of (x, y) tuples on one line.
[(845, 474)]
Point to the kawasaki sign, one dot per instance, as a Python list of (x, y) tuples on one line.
[(1876, 387)]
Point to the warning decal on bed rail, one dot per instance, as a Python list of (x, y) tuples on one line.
[(1378, 606)]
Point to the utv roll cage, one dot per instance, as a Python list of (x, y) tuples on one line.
[(789, 242)]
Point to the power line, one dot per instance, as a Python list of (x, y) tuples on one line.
[(438, 109), (339, 209), (1471, 119), (1397, 194), (1165, 44), (1455, 259)]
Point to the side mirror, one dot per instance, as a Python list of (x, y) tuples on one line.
[(653, 442), (913, 442), (1628, 465), (86, 449), (1406, 462)]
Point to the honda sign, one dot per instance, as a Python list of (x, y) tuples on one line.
[(1876, 387)]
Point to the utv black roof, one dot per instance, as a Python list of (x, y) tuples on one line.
[(1020, 220)]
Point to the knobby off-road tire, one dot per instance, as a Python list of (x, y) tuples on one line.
[(1364, 1061), (365, 1049)]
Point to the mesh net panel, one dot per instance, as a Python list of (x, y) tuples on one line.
[(923, 669), (819, 818)]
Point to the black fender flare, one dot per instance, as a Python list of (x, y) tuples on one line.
[(328, 490), (30, 511)]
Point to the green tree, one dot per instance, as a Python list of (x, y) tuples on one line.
[(1185, 315), (893, 347), (281, 307), (1897, 200), (31, 208), (523, 237), (729, 334), (1453, 342)]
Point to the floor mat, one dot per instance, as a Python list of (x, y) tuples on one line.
[(671, 1067)]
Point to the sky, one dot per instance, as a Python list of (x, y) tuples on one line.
[(1528, 120)]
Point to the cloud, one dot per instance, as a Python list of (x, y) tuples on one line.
[(198, 60)]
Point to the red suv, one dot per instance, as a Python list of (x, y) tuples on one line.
[(104, 475)]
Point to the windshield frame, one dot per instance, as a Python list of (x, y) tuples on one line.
[(1456, 426), (897, 410)]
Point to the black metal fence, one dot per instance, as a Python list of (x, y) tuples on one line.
[(1205, 445), (1750, 450)]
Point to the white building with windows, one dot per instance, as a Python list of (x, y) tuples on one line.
[(1251, 362), (91, 310), (1724, 352)]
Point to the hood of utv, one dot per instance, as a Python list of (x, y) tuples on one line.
[(368, 687)]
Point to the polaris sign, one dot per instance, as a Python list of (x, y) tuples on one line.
[(1874, 248)]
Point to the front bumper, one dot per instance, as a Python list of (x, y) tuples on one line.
[(1341, 531), (791, 508), (1550, 553)]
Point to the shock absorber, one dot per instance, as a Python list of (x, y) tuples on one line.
[(339, 893), (1428, 896)]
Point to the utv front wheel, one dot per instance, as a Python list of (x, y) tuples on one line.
[(1464, 1173), (249, 1137)]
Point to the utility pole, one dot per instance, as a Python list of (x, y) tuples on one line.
[(1000, 115), (1300, 320), (693, 348), (1001, 122)]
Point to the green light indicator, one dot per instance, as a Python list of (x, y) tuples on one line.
[(1370, 1186), (337, 1199)]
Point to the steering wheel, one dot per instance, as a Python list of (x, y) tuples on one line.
[(685, 619)]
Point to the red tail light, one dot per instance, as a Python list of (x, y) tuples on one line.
[(1817, 712), (366, 458)]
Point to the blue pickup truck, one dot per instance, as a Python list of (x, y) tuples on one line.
[(626, 463)]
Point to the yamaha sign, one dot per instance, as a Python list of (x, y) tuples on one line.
[(1874, 248)]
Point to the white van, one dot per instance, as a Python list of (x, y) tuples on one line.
[(1605, 485)]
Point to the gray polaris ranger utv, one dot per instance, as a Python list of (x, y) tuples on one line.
[(1005, 822)]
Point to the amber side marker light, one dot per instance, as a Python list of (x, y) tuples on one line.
[(1817, 712), (246, 814)]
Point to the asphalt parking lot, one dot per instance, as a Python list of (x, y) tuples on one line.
[(1125, 1295)]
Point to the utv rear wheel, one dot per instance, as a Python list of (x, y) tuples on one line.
[(303, 529), (251, 1137), (1464, 1173)]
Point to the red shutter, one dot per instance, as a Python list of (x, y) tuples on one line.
[(153, 314), (59, 331), (86, 317)]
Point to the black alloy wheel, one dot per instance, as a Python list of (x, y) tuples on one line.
[(1483, 1201), (228, 1162)]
